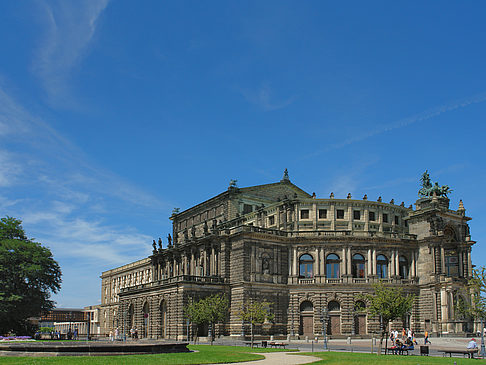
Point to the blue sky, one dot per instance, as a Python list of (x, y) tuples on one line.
[(112, 113)]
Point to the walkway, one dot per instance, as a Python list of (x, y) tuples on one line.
[(281, 358)]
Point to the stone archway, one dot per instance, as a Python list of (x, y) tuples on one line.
[(334, 323), (163, 318), (145, 312), (306, 327)]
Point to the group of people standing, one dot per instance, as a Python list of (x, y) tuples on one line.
[(402, 341), (115, 335)]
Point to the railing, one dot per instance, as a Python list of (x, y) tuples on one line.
[(360, 280), (178, 279), (307, 280), (334, 280), (315, 233)]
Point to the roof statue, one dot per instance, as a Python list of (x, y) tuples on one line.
[(429, 189), (285, 176), (232, 183)]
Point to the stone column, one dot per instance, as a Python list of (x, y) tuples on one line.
[(213, 261), (296, 263), (367, 219), (442, 261), (318, 261), (460, 259), (413, 274), (277, 218), (370, 263), (469, 264), (349, 261), (397, 263), (290, 260), (316, 216), (373, 267), (344, 263), (443, 304), (323, 264), (296, 217)]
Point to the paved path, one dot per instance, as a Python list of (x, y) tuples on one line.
[(281, 358)]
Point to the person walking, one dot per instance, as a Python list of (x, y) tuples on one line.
[(427, 338)]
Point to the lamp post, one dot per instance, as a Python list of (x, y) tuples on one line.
[(324, 325), (482, 339), (291, 321)]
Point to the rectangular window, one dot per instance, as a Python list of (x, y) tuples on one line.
[(405, 223), (304, 214), (340, 214), (332, 270), (357, 215), (271, 220), (385, 218), (371, 216), (397, 220), (247, 208), (322, 213)]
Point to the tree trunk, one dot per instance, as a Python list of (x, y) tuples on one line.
[(381, 344), (212, 333), (251, 333)]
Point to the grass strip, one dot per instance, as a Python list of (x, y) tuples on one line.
[(205, 354), (350, 358)]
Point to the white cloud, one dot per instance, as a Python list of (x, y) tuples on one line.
[(428, 114), (70, 28), (9, 170)]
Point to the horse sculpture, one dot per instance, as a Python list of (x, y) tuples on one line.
[(428, 189)]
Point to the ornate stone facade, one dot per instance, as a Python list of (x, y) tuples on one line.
[(306, 256)]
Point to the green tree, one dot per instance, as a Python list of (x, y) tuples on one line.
[(211, 310), (388, 303), (476, 308), (28, 275), (255, 312)]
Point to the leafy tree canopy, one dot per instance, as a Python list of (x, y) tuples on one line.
[(28, 275), (477, 307), (211, 309), (389, 303)]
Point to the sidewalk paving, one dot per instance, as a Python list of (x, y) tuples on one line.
[(281, 358)]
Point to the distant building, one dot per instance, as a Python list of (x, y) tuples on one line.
[(64, 319), (305, 255)]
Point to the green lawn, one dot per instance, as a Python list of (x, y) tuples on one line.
[(206, 355), (345, 358)]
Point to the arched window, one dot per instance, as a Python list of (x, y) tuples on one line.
[(306, 263), (403, 267), (306, 306), (358, 266), (382, 266), (332, 266), (333, 306)]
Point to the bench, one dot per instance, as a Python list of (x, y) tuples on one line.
[(468, 352), (398, 351), (277, 344)]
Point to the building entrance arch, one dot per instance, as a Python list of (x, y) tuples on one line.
[(163, 319), (145, 312), (306, 327), (334, 323)]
